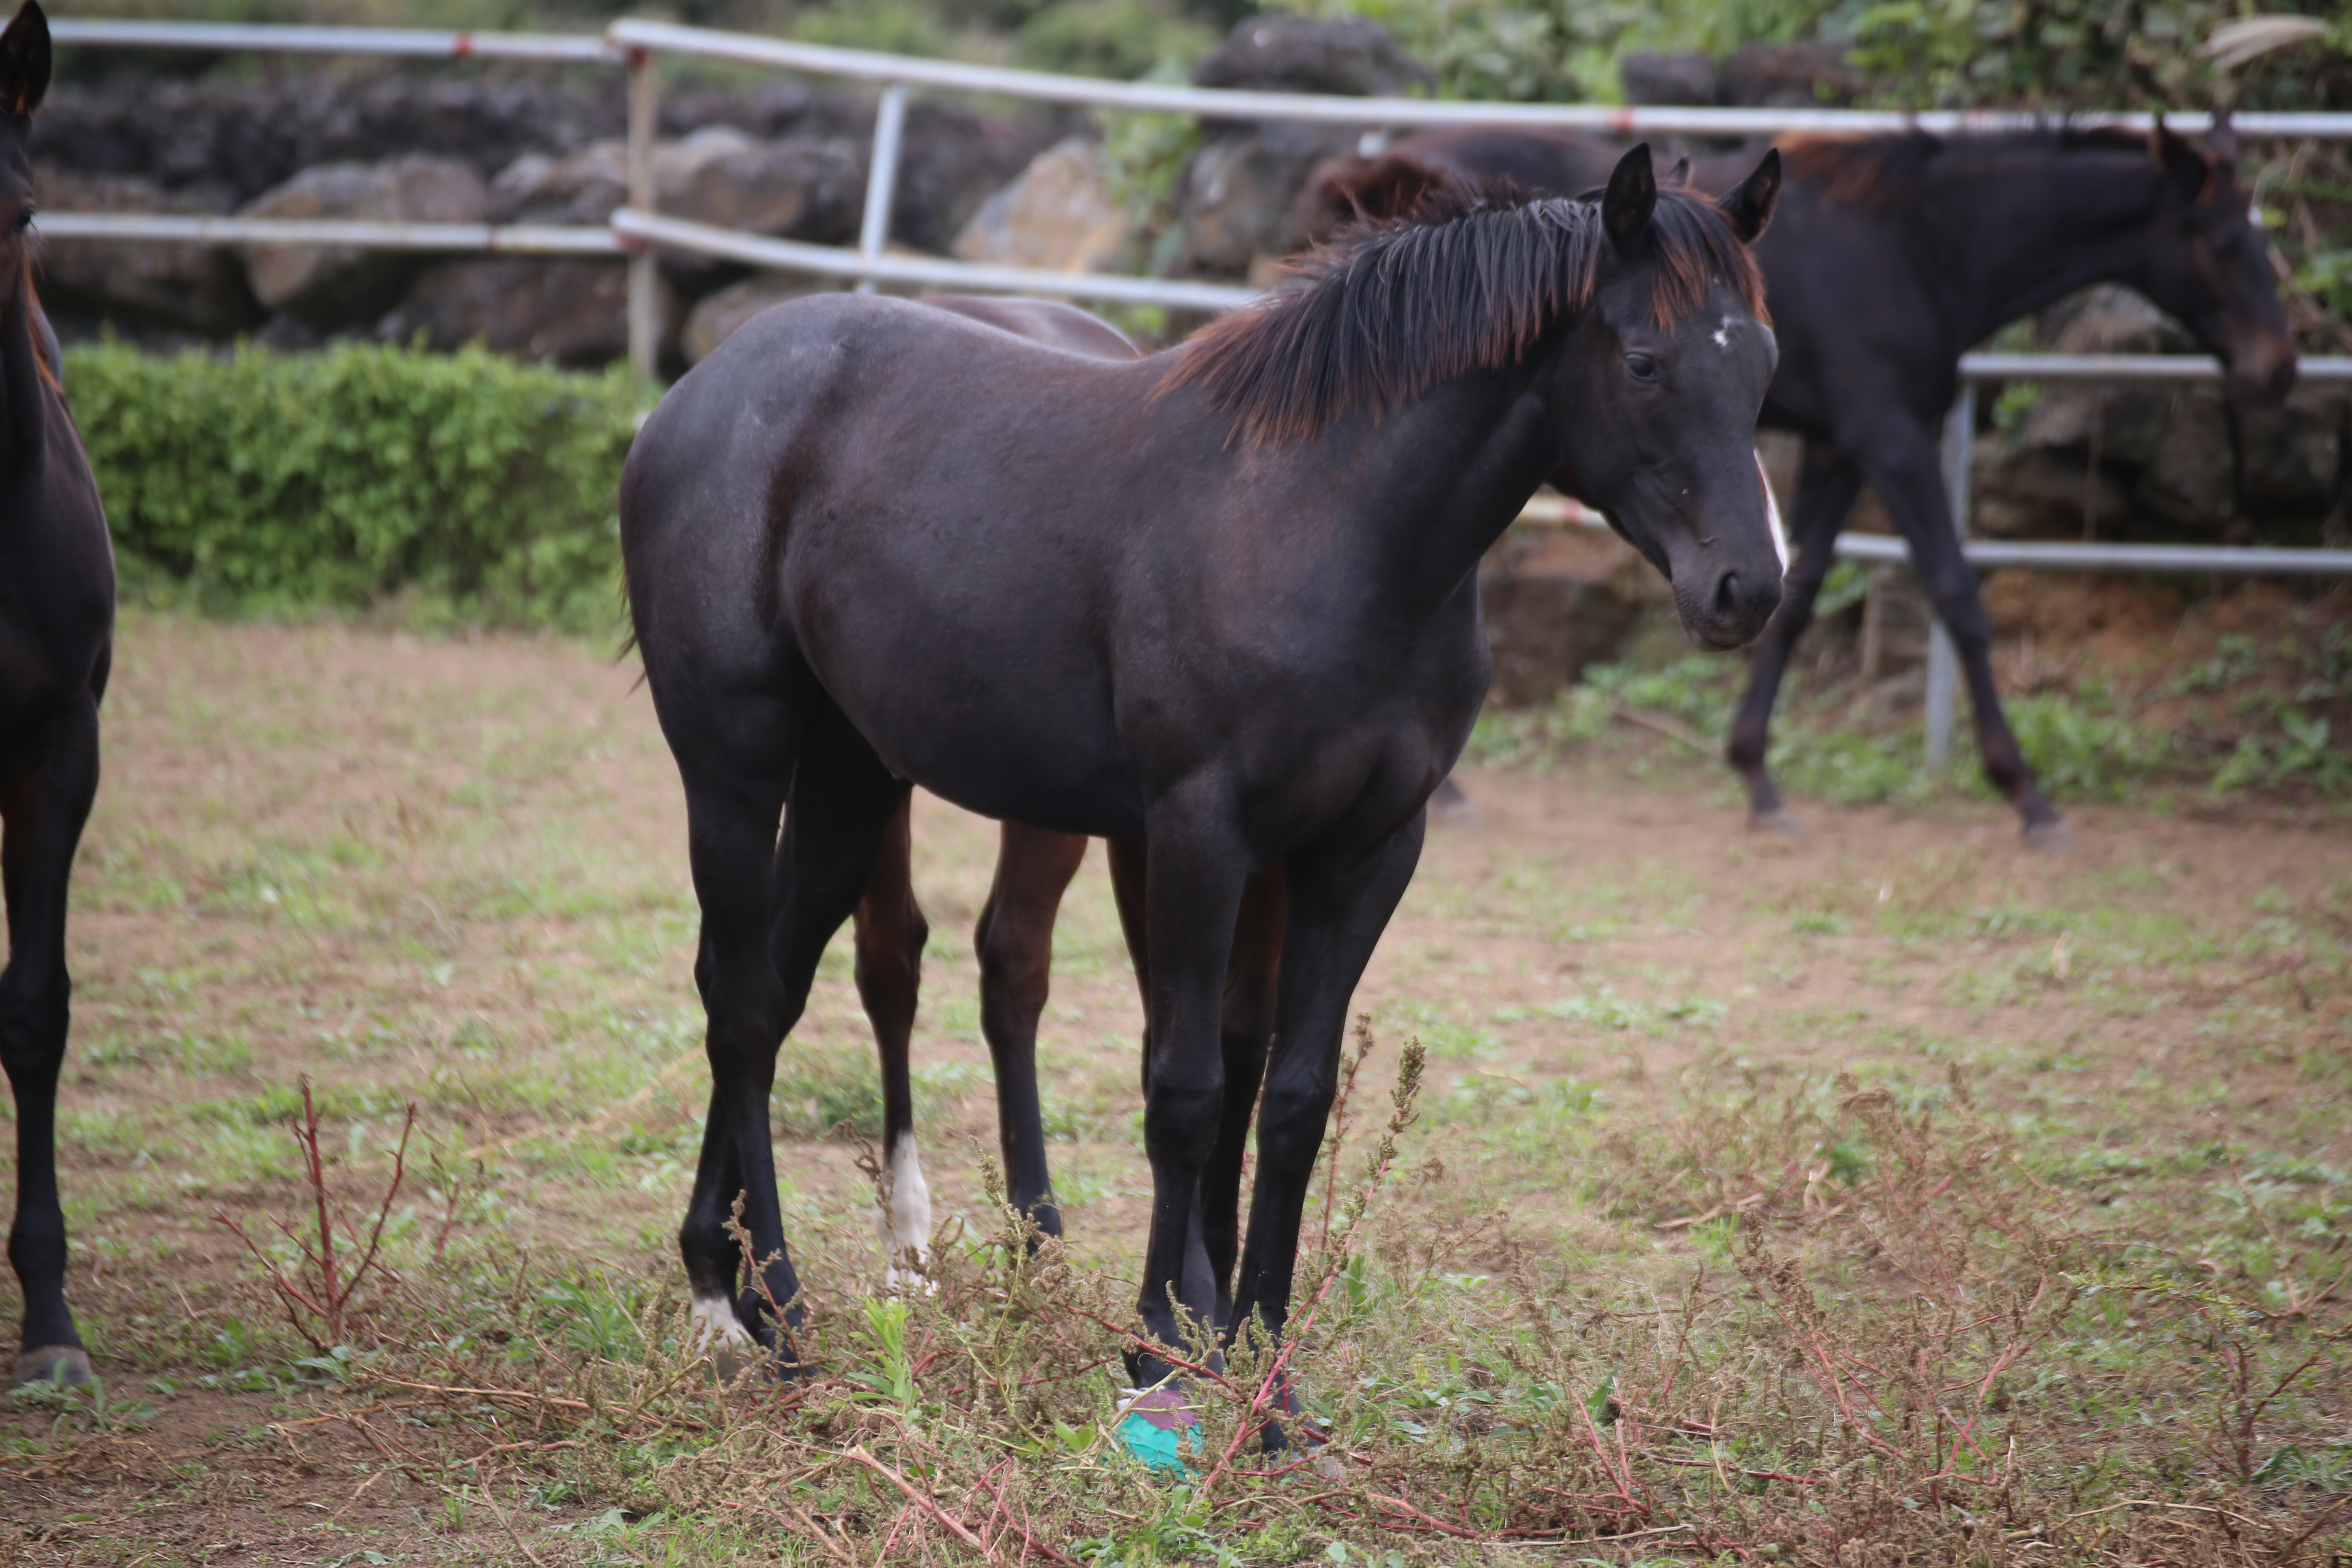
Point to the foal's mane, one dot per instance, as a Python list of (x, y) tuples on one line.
[(1466, 280), (1882, 168)]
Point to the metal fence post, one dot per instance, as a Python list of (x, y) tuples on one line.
[(881, 177), (1943, 660), (645, 299)]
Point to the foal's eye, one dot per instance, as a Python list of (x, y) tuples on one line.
[(24, 221), (1642, 368)]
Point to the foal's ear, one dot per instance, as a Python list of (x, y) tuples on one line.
[(1680, 174), (1749, 206), (24, 62), (1632, 195), (2185, 165), (2221, 141)]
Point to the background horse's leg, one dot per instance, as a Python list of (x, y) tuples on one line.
[(891, 932), (1339, 905), (44, 802), (1827, 485), (1192, 893), (1014, 940), (1907, 470)]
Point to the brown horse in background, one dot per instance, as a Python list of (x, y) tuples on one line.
[(57, 640), (1890, 256)]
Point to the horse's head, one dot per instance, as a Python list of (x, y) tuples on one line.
[(24, 79), (1660, 383), (2210, 266)]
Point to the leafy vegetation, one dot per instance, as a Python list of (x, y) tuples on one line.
[(255, 482)]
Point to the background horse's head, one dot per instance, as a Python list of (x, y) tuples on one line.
[(1659, 386), (24, 79), (2209, 264)]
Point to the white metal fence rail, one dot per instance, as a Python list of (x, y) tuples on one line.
[(637, 228)]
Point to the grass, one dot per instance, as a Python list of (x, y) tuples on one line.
[(1892, 1197)]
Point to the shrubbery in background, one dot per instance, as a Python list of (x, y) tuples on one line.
[(260, 481)]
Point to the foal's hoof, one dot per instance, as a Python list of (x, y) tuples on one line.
[(1775, 822), (67, 1365), (2051, 838)]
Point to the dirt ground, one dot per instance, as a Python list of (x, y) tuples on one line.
[(452, 872)]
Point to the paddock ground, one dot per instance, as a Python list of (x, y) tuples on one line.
[(451, 871)]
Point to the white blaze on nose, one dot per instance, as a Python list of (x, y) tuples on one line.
[(1772, 513)]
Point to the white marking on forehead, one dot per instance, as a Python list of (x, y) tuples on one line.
[(2254, 215), (1723, 333)]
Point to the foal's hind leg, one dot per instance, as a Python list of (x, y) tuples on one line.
[(1014, 940), (1826, 486), (891, 932), (44, 803)]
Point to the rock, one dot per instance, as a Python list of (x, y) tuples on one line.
[(950, 158), (2040, 494), (1237, 197), (2295, 455), (229, 142), (566, 310), (1680, 75), (1895, 621), (1556, 600), (1280, 53), (336, 286), (185, 288), (717, 317), (2130, 419), (801, 187), (582, 188), (1788, 76), (1057, 215)]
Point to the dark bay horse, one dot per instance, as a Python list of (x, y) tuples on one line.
[(57, 640), (1221, 600), (1891, 255)]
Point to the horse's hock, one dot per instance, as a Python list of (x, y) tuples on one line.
[(1556, 600)]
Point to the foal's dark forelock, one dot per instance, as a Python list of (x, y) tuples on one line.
[(1467, 280)]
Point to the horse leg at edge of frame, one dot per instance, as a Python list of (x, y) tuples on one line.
[(1827, 485), (1911, 483), (1014, 942), (45, 807), (891, 931), (1192, 893), (1338, 906)]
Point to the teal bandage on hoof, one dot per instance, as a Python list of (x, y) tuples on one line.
[(1157, 1426)]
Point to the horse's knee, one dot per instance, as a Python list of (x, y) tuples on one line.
[(35, 1012), (1016, 964)]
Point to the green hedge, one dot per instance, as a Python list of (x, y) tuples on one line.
[(472, 487)]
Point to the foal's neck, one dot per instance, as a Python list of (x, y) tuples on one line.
[(1440, 478), (2035, 229), (23, 397)]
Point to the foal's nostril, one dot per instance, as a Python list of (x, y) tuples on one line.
[(1727, 594)]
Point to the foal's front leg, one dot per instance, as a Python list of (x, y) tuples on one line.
[(44, 803), (1340, 902), (1197, 870)]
